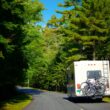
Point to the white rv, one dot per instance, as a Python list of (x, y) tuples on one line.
[(80, 71)]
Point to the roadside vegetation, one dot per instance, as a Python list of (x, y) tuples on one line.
[(19, 102), (106, 99)]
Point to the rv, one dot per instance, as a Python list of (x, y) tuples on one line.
[(80, 72)]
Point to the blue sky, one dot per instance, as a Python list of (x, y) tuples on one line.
[(51, 6)]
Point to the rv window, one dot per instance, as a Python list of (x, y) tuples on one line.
[(94, 74)]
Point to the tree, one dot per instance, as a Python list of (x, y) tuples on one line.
[(16, 16), (85, 27), (43, 77)]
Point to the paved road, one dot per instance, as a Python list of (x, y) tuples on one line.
[(59, 101)]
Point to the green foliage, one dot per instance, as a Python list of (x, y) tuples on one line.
[(79, 34), (16, 17), (43, 74), (39, 56), (86, 27), (84, 30)]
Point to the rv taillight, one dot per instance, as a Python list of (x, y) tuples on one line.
[(78, 86)]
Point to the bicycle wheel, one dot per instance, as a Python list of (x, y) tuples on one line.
[(91, 91), (87, 89), (84, 88), (101, 89)]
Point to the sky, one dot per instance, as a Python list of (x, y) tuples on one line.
[(51, 6)]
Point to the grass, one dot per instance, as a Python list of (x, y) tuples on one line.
[(106, 99), (16, 103)]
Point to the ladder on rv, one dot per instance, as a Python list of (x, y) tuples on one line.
[(106, 72)]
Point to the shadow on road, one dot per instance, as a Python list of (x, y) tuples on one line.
[(30, 91), (84, 100)]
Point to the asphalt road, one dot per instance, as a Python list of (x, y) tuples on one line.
[(58, 101)]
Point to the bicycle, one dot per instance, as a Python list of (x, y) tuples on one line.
[(100, 86), (88, 88), (91, 89)]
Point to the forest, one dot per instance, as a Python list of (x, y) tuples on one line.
[(36, 56)]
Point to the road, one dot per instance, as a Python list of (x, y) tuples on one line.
[(59, 101)]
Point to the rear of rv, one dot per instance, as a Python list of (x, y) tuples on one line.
[(84, 70)]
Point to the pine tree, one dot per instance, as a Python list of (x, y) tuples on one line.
[(85, 27)]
